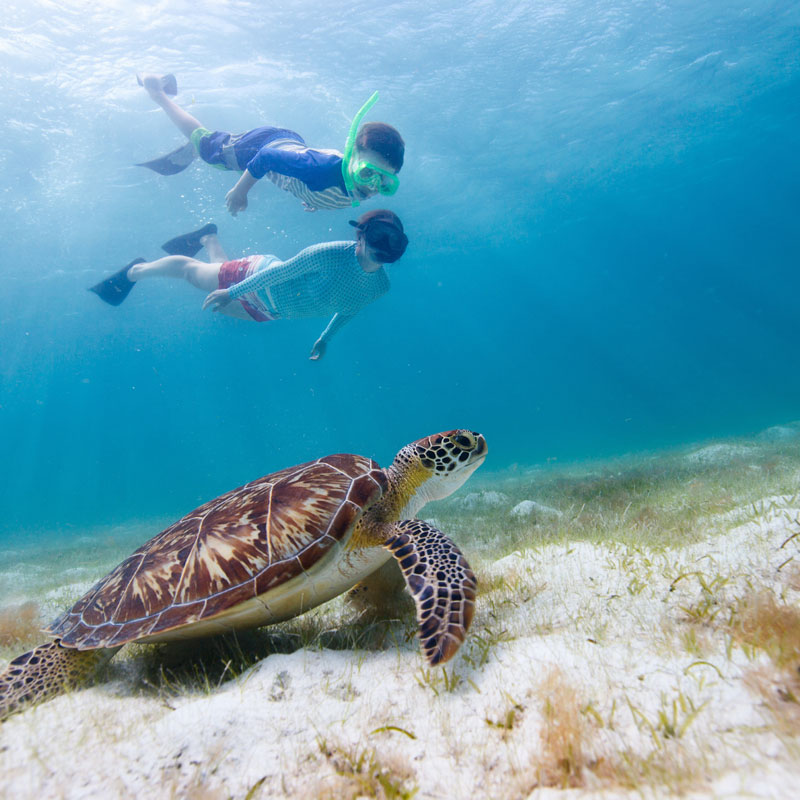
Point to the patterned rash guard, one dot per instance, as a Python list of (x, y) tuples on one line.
[(322, 279)]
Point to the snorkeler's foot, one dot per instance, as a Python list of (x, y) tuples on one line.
[(155, 84), (189, 244), (115, 289)]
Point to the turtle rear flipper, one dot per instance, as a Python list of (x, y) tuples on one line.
[(45, 671), (441, 583)]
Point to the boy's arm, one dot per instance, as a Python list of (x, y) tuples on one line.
[(319, 171), (304, 262), (338, 321), (236, 199), (316, 169)]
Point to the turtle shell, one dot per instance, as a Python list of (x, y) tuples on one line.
[(226, 552)]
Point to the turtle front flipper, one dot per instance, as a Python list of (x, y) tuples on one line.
[(441, 583), (45, 671)]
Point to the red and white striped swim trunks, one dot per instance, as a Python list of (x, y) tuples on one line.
[(233, 272)]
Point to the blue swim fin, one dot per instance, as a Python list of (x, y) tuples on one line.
[(188, 244), (174, 162), (115, 289)]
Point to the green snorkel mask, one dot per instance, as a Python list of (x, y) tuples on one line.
[(362, 172)]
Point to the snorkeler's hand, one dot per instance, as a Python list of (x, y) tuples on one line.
[(236, 200), (318, 350), (217, 300)]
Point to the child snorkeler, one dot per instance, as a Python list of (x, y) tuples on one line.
[(333, 278), (319, 178)]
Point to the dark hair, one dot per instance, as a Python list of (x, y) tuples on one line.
[(383, 230), (384, 140)]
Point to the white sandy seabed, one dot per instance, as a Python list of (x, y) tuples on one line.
[(590, 671)]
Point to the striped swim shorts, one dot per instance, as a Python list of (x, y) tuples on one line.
[(233, 272)]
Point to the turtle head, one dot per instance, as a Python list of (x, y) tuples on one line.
[(434, 467)]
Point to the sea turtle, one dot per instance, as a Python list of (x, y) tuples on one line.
[(268, 551)]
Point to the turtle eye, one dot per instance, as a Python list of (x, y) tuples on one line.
[(465, 440)]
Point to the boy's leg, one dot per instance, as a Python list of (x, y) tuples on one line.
[(213, 248), (200, 274), (183, 120)]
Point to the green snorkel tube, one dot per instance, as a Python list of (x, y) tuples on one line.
[(350, 144)]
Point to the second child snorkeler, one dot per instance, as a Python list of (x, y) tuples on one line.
[(320, 178), (332, 278)]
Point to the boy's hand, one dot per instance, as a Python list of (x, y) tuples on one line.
[(318, 350), (218, 299), (236, 200)]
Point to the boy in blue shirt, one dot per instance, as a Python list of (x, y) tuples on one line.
[(320, 178)]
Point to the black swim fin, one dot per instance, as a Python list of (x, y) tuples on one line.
[(174, 162), (169, 83), (189, 243), (115, 289)]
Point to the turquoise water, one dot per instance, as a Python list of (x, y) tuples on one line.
[(601, 200)]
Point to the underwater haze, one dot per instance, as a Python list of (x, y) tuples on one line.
[(602, 205)]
